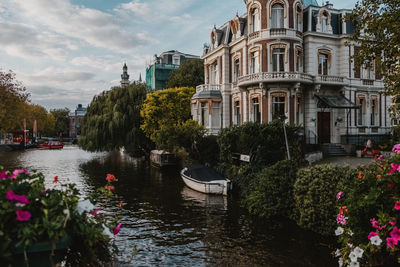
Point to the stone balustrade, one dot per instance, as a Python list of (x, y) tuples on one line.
[(275, 77)]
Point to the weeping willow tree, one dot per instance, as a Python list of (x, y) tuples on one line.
[(112, 121)]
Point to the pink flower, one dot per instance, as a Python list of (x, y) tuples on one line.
[(379, 158), (376, 225), (17, 198), (116, 230), (393, 223), (23, 215), (339, 195), (394, 167), (340, 219), (397, 205), (396, 148), (372, 234), (3, 175), (95, 212), (18, 172), (395, 233), (391, 242)]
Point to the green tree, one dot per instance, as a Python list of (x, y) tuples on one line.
[(61, 117), (189, 74), (377, 24), (12, 98), (112, 121), (167, 119)]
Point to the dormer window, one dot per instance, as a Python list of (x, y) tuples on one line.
[(277, 17), (255, 19), (324, 22)]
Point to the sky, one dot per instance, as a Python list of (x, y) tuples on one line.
[(67, 51)]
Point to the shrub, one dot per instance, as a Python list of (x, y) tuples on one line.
[(314, 196), (272, 191)]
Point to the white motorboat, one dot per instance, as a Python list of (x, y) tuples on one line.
[(205, 180)]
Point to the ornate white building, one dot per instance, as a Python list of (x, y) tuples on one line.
[(289, 58)]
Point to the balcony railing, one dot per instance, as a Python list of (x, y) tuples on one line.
[(280, 31), (368, 82), (208, 87), (254, 35), (330, 79), (275, 77)]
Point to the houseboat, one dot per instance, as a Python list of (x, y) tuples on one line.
[(49, 145)]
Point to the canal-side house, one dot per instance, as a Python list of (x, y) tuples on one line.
[(75, 121), (289, 58)]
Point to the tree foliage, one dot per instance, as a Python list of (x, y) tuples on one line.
[(189, 74), (377, 25), (167, 119), (61, 117), (13, 97), (112, 121)]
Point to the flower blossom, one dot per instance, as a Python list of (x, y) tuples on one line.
[(20, 199), (354, 264), (394, 167), (396, 148), (391, 242), (18, 172), (83, 206), (360, 175), (395, 233), (3, 175), (397, 205), (55, 179), (337, 253), (376, 240), (339, 195), (110, 187), (379, 158), (23, 215), (372, 234), (95, 212), (393, 223), (111, 178), (376, 225), (340, 219), (339, 231), (116, 230)]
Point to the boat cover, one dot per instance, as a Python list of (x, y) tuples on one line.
[(202, 173)]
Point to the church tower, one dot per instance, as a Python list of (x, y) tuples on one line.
[(124, 76)]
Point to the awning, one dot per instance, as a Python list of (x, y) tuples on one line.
[(339, 102), (208, 94)]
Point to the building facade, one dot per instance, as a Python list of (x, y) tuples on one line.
[(157, 73), (288, 59), (75, 121)]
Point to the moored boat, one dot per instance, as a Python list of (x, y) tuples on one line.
[(205, 179), (161, 158), (51, 145)]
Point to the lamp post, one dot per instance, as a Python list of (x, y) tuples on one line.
[(283, 118)]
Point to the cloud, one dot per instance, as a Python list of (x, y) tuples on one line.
[(57, 76), (26, 41), (95, 27)]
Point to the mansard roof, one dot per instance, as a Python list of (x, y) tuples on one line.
[(307, 3)]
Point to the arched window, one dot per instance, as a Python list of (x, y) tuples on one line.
[(236, 70), (277, 17), (255, 20)]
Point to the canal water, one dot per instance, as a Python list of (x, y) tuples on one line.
[(170, 224)]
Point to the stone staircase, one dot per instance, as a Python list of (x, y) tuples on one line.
[(333, 150)]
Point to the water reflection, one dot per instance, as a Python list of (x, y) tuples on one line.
[(171, 224)]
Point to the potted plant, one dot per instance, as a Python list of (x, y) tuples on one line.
[(42, 226)]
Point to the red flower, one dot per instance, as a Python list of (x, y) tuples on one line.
[(55, 179), (116, 230), (397, 205), (110, 187), (360, 175), (111, 178), (121, 204)]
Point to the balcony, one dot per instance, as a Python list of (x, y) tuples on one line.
[(328, 79), (208, 87), (254, 35), (368, 82), (275, 32), (275, 77)]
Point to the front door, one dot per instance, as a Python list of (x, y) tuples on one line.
[(324, 127)]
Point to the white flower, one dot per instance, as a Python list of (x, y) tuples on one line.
[(350, 245), (358, 252), (107, 232), (340, 262), (353, 257), (337, 253), (83, 206), (351, 233), (339, 231), (354, 264), (376, 240), (20, 205)]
